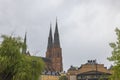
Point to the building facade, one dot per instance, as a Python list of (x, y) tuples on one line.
[(49, 77), (89, 71)]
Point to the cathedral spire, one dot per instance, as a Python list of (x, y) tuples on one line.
[(56, 36), (54, 51), (24, 49), (50, 39)]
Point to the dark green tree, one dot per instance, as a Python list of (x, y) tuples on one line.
[(17, 66), (63, 77), (115, 56)]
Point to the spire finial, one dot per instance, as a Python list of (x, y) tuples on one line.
[(56, 22), (56, 18), (50, 26)]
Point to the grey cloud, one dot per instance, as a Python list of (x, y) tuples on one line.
[(86, 26)]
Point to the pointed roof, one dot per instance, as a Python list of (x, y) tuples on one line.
[(24, 49), (50, 39), (50, 33), (56, 27), (56, 36), (25, 37)]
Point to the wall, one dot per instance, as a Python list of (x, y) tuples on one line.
[(49, 77)]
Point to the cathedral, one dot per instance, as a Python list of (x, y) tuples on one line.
[(53, 59)]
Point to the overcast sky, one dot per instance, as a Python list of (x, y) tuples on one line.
[(86, 27)]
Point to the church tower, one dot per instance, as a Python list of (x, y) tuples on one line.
[(54, 51), (57, 51), (50, 44)]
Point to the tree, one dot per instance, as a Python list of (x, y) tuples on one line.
[(116, 56), (63, 77), (17, 66)]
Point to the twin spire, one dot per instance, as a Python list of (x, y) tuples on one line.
[(51, 43), (56, 42)]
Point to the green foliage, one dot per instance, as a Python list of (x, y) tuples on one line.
[(116, 73), (115, 56), (63, 77), (17, 66)]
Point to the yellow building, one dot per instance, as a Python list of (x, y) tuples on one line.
[(89, 71), (49, 77)]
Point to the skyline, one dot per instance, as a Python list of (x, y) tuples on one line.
[(85, 27)]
